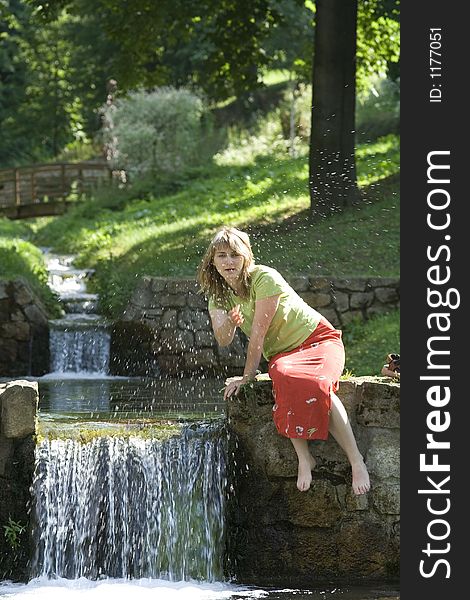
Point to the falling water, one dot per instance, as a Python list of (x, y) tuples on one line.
[(131, 508), (79, 346), (79, 342)]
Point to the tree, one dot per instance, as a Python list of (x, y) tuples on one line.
[(332, 172), (332, 165)]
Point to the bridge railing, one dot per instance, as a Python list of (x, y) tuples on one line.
[(41, 183)]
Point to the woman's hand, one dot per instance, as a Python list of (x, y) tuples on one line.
[(234, 384), (235, 315)]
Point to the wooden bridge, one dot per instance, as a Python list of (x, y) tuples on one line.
[(45, 189)]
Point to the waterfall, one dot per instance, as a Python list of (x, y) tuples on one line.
[(79, 347), (131, 507), (79, 342)]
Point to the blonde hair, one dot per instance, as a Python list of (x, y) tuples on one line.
[(211, 282)]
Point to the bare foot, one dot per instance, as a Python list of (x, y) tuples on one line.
[(304, 476), (360, 478)]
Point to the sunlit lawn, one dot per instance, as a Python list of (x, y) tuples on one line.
[(127, 233)]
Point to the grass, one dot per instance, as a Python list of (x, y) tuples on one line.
[(124, 234), (21, 258), (367, 344), (162, 228)]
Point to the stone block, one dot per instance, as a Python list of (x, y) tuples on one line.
[(386, 498), (316, 299), (383, 454), (177, 341), (22, 330), (181, 286), (194, 319), (19, 402), (172, 300), (331, 316), (22, 293), (319, 507), (364, 547), (298, 283), (341, 301), (17, 316), (320, 284), (353, 284), (233, 355), (387, 295), (196, 301), (157, 284), (356, 503), (36, 315), (378, 404), (200, 357), (204, 338), (361, 299), (170, 319), (131, 312)]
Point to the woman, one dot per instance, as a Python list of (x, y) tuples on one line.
[(305, 352)]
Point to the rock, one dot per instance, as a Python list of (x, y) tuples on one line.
[(19, 403), (387, 295), (354, 284), (379, 404), (298, 283), (386, 498), (383, 455), (320, 283), (177, 341), (341, 300), (316, 299), (325, 532), (36, 315), (361, 299), (22, 293)]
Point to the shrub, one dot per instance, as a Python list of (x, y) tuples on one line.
[(378, 110), (21, 258), (159, 132)]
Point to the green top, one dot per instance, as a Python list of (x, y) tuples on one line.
[(293, 321)]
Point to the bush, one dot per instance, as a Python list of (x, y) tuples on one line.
[(21, 258), (157, 133), (378, 110)]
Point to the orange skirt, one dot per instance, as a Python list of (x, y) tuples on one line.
[(303, 380)]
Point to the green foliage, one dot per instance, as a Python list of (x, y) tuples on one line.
[(378, 39), (21, 258), (13, 531), (378, 109), (368, 343), (158, 132)]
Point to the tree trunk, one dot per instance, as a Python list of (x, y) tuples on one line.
[(332, 178)]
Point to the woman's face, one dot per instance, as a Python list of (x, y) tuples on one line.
[(228, 263)]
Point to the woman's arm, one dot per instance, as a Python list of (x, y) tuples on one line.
[(265, 310), (225, 324)]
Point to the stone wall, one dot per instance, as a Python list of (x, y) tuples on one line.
[(24, 331), (18, 407), (278, 535), (166, 329)]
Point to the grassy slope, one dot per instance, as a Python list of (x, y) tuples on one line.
[(167, 235), (127, 233), (19, 257)]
